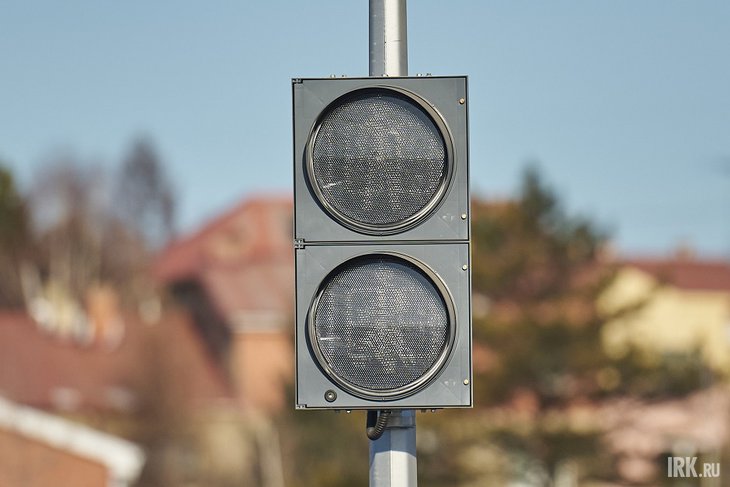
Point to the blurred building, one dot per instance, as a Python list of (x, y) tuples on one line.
[(148, 377), (38, 450), (235, 276), (60, 373), (682, 306), (189, 373), (674, 310)]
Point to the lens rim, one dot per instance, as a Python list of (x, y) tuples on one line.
[(416, 218), (412, 387)]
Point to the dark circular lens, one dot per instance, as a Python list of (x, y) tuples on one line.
[(381, 325), (378, 160)]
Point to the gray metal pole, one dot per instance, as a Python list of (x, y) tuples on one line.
[(388, 38), (393, 455)]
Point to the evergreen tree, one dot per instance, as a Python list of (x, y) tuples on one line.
[(537, 268), (14, 239)]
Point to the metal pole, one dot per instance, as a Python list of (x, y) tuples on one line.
[(388, 38), (393, 455)]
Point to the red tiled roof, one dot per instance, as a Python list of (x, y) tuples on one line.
[(37, 368), (244, 260), (687, 273), (259, 228), (259, 286)]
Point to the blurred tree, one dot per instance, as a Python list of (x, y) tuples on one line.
[(536, 273), (86, 238), (537, 268), (69, 214), (144, 198), (14, 239)]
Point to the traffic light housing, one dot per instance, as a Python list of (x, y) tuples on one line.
[(381, 228)]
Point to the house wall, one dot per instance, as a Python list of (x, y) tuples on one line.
[(668, 319), (25, 462), (263, 366)]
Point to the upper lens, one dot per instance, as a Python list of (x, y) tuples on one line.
[(378, 160)]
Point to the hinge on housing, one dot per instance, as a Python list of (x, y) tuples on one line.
[(298, 243)]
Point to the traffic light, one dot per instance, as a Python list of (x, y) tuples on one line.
[(381, 229)]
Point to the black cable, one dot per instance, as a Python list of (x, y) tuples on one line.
[(376, 423)]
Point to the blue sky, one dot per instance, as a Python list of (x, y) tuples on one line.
[(624, 104)]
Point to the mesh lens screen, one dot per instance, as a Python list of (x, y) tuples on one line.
[(378, 158), (381, 323)]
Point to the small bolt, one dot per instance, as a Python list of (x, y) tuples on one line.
[(466, 382), (433, 410), (463, 216), (464, 267), (330, 396), (462, 101), (348, 411)]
